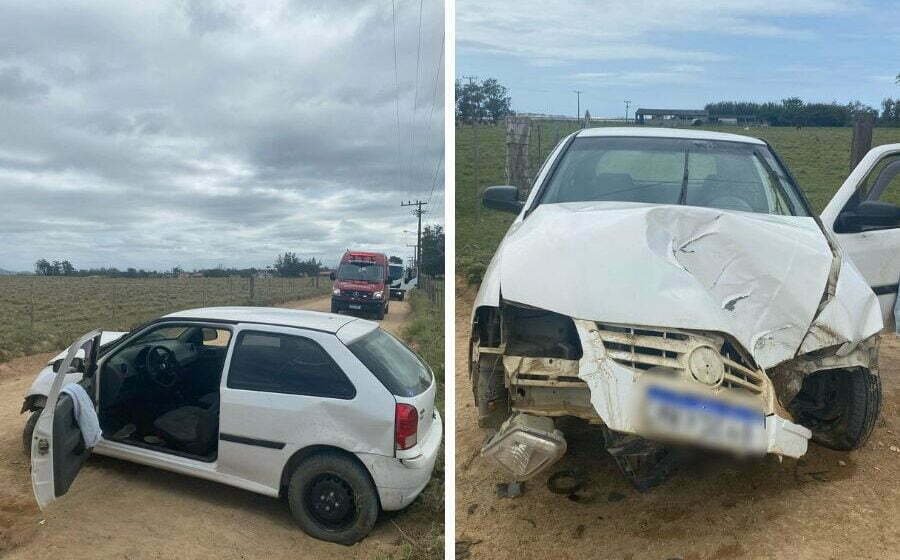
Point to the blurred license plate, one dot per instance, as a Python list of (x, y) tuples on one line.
[(705, 420), (355, 306)]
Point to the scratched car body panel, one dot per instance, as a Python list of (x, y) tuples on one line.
[(744, 295)]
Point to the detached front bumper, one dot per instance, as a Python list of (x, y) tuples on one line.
[(613, 387), (400, 481)]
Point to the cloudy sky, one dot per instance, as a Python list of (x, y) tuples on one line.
[(662, 53), (202, 132)]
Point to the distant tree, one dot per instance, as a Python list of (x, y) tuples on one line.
[(897, 80), (395, 260), (290, 265), (67, 269), (432, 251), (176, 271), (43, 268), (487, 100)]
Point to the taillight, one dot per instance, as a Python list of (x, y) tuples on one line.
[(406, 425)]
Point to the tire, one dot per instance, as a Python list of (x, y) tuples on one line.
[(380, 313), (334, 308), (316, 480), (28, 431), (840, 407), (387, 308), (400, 297)]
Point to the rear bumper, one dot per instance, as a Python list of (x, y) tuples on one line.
[(399, 481)]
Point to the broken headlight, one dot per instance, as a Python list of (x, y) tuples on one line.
[(526, 445)]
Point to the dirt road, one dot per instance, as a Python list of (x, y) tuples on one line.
[(828, 505), (117, 509)]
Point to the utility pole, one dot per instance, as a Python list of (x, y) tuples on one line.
[(627, 105), (418, 214), (578, 92)]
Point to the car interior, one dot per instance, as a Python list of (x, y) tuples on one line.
[(161, 390)]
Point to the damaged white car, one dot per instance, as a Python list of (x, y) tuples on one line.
[(675, 288), (329, 412)]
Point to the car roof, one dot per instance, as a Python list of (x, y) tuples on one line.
[(315, 320), (649, 132)]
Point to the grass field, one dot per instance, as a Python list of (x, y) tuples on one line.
[(45, 313), (819, 158)]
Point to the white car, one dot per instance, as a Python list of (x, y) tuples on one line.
[(329, 411), (675, 287)]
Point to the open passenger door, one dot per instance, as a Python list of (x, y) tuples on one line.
[(57, 447), (864, 217)]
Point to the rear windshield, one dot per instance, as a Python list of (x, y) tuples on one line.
[(395, 365), (715, 174)]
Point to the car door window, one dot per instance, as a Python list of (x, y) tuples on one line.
[(280, 363), (883, 183)]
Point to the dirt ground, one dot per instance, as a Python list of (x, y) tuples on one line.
[(117, 509), (827, 505)]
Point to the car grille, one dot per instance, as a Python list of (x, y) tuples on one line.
[(359, 295), (668, 350)]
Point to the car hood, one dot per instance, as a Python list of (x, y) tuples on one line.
[(757, 277)]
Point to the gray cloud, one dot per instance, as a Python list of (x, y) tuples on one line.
[(197, 133)]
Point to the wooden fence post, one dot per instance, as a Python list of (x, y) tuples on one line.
[(861, 142), (475, 164), (517, 135)]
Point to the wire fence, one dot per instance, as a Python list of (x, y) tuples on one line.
[(43, 313), (433, 288)]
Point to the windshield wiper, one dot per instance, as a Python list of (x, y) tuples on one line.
[(682, 196)]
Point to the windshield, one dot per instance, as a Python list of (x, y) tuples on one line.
[(361, 271), (396, 271), (395, 365), (714, 174)]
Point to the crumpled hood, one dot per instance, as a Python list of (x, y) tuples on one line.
[(759, 278)]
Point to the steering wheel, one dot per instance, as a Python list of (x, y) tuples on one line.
[(162, 366)]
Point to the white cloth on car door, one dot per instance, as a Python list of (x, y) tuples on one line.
[(85, 414)]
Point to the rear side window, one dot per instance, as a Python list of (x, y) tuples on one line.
[(395, 365), (280, 363)]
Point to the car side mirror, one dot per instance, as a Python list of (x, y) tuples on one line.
[(868, 215), (503, 197), (331, 275), (209, 335)]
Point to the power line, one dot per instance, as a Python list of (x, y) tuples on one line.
[(397, 92), (412, 120), (437, 82)]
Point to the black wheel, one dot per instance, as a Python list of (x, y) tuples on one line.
[(840, 407), (387, 308), (400, 297), (28, 431), (334, 308), (380, 313), (332, 498)]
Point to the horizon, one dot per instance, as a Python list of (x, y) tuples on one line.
[(720, 50)]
